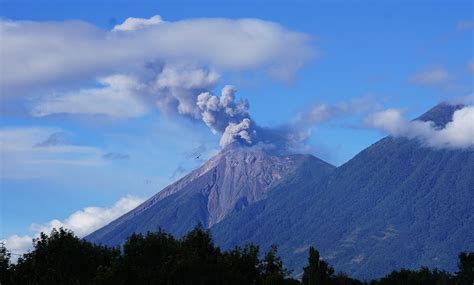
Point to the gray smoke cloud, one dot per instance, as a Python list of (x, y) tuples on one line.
[(186, 90), (175, 88), (142, 65), (238, 132), (223, 114), (229, 116)]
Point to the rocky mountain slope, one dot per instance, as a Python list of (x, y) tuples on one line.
[(229, 182)]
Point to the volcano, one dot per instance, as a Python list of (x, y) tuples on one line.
[(398, 203), (229, 182)]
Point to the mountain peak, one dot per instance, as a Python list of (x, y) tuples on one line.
[(440, 114), (230, 181)]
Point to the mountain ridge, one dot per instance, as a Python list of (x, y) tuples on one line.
[(396, 203), (230, 181)]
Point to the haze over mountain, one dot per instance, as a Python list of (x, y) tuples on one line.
[(396, 204)]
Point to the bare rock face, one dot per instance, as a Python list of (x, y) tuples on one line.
[(236, 177), (242, 177), (230, 181)]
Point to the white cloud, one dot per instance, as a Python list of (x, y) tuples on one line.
[(52, 54), (120, 97), (464, 26), (322, 112), (463, 100), (87, 220), (159, 64), (23, 156), (82, 223), (173, 90), (459, 133), (431, 76), (133, 24), (18, 245)]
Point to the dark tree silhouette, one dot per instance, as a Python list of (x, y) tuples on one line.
[(62, 258), (466, 268), (318, 272), (272, 267), (159, 258), (4, 265), (148, 259), (243, 264)]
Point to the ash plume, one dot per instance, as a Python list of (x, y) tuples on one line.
[(224, 114)]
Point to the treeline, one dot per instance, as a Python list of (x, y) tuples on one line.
[(159, 258)]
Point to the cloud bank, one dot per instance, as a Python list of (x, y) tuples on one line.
[(34, 145), (431, 76), (51, 54), (323, 112), (33, 152), (117, 98), (146, 64), (459, 133), (133, 24), (87, 220), (82, 223)]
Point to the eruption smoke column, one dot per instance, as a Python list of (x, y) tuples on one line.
[(226, 115)]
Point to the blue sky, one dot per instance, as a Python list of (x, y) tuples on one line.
[(365, 56)]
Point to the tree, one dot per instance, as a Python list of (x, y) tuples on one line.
[(243, 265), (62, 258), (422, 276), (466, 268), (159, 258), (343, 279), (318, 272), (4, 265), (273, 271), (200, 261), (148, 259)]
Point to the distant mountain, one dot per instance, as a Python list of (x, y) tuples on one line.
[(441, 114), (396, 204), (229, 182)]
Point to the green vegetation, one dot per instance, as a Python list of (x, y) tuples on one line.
[(317, 271), (159, 258), (397, 204)]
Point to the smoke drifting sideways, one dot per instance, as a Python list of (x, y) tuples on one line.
[(176, 89), (224, 114), (186, 90)]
